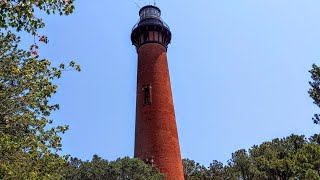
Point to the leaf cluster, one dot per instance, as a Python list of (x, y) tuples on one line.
[(20, 14), (293, 157), (29, 141), (314, 91), (120, 169)]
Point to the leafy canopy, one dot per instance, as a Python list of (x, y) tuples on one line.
[(28, 140), (293, 157), (100, 169), (314, 91)]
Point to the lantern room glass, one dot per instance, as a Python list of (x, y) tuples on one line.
[(149, 12)]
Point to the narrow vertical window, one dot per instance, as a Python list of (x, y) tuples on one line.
[(160, 38), (146, 37), (156, 36), (147, 94), (141, 38), (151, 35)]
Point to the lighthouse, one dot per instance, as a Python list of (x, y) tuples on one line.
[(156, 135)]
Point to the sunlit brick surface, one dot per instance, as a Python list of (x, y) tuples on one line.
[(156, 134)]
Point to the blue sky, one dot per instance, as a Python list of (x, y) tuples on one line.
[(239, 74)]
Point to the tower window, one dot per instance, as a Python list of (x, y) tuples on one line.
[(146, 37), (147, 94)]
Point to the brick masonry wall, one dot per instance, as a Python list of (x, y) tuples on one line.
[(156, 133)]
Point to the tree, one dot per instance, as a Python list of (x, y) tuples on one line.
[(308, 161), (314, 91), (289, 158), (193, 170), (276, 159), (28, 141), (100, 169), (216, 171), (242, 165), (19, 14)]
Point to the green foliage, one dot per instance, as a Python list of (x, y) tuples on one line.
[(28, 140), (293, 157), (216, 171), (27, 144), (276, 159), (100, 169), (193, 170), (314, 91), (242, 164), (20, 14)]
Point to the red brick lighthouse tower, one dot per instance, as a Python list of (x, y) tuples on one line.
[(156, 136)]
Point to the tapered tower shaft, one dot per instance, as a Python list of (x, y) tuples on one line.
[(156, 136)]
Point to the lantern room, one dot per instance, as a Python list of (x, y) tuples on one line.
[(150, 28)]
